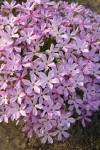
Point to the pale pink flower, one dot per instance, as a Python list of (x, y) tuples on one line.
[(47, 138), (66, 119), (47, 62), (34, 84), (48, 80), (61, 132), (33, 106), (28, 36), (81, 46)]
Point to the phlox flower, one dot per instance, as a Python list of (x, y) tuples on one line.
[(66, 119), (48, 122), (47, 138), (28, 36), (47, 62), (66, 87), (43, 95), (61, 132), (52, 109), (3, 115), (89, 91), (48, 80), (10, 6), (58, 33), (75, 102), (71, 67), (10, 20), (5, 41), (12, 32), (16, 111), (17, 95), (85, 117), (81, 46), (33, 106), (3, 82), (3, 98), (53, 51), (34, 84), (49, 66), (77, 80)]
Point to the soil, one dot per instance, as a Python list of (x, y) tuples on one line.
[(11, 137)]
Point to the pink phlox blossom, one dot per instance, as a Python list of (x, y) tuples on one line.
[(66, 87), (81, 46), (62, 131), (34, 84), (48, 80), (53, 51), (47, 62), (49, 66), (3, 82), (85, 117), (16, 111), (4, 114), (33, 105), (66, 119), (44, 95), (89, 91), (48, 122), (46, 137), (77, 80), (3, 98), (28, 36), (51, 109), (71, 67), (12, 32), (75, 102), (17, 95)]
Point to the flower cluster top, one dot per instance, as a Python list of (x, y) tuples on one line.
[(49, 66)]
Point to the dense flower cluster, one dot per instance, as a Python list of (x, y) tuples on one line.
[(49, 66)]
